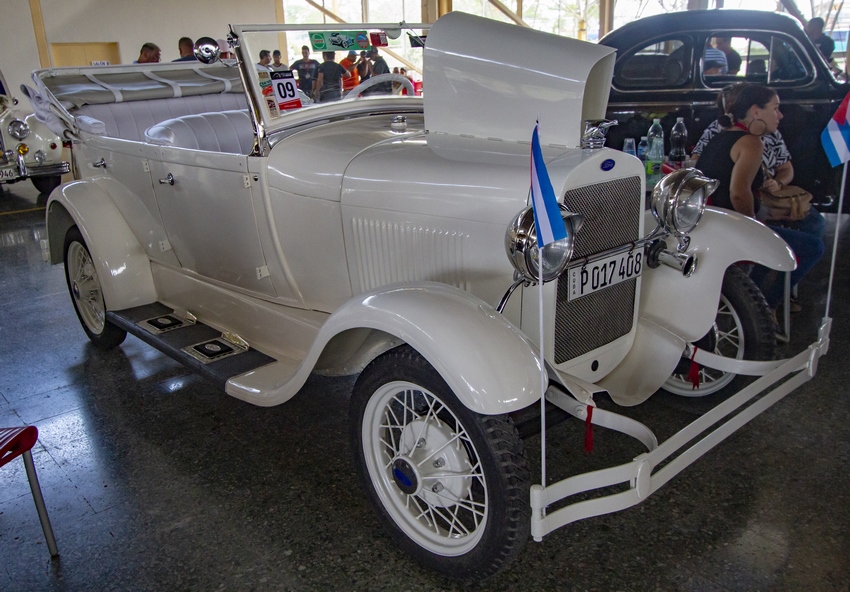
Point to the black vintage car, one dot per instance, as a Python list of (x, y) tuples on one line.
[(662, 71)]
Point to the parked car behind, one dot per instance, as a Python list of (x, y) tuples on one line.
[(661, 72), (28, 149)]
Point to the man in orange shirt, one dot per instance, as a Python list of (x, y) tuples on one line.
[(350, 63)]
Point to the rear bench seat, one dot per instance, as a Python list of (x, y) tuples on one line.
[(130, 119), (227, 131)]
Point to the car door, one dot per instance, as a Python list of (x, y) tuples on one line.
[(207, 208)]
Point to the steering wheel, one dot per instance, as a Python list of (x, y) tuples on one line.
[(405, 82), (305, 100)]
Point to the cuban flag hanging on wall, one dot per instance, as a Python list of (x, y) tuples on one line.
[(836, 137), (547, 215)]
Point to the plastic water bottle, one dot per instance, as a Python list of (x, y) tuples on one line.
[(678, 143), (629, 146), (643, 146), (656, 131), (654, 158)]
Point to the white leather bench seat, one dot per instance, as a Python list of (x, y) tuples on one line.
[(226, 131), (130, 119)]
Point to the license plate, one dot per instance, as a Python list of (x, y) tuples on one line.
[(603, 273), (8, 174)]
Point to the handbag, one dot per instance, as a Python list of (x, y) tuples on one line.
[(788, 203)]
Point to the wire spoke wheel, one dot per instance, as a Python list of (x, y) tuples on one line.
[(450, 485), (85, 288), (429, 470), (87, 294)]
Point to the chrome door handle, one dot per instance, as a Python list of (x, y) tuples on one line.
[(169, 180), (101, 164)]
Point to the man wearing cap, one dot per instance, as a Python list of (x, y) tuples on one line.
[(350, 63), (379, 66)]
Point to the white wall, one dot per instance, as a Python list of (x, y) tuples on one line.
[(128, 22), (17, 46)]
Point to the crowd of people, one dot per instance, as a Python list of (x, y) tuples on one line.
[(321, 81), (328, 80)]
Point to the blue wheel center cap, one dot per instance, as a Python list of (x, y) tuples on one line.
[(405, 476)]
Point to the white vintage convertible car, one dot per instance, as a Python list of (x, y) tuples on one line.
[(258, 238), (28, 148)]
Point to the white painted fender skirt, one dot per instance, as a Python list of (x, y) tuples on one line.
[(122, 264), (675, 309), (488, 363)]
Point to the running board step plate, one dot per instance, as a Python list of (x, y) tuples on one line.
[(193, 344)]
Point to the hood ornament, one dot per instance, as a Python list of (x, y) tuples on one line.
[(593, 137)]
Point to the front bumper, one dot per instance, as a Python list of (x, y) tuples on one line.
[(18, 171)]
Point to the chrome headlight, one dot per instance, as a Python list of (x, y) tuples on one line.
[(207, 50), (678, 200), (18, 129), (521, 246)]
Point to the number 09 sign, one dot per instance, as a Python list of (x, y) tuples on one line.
[(285, 91)]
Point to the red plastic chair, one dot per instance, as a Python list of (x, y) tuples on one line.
[(16, 442)]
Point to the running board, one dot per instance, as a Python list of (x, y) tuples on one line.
[(207, 351)]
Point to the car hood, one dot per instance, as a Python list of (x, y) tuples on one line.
[(488, 79)]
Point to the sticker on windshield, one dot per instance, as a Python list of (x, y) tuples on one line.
[(267, 90), (285, 90), (339, 40)]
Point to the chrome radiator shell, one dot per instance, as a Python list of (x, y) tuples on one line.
[(612, 211)]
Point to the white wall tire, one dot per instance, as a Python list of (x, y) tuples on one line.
[(87, 294), (451, 486)]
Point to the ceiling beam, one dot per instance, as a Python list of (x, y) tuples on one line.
[(509, 13)]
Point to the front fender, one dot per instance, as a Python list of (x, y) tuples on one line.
[(687, 306), (675, 309), (122, 265), (488, 363)]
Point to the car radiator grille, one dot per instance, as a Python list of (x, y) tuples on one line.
[(612, 213)]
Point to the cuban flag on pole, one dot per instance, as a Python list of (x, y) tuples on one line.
[(836, 137), (547, 215)]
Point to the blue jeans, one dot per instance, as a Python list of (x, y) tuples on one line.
[(813, 224), (807, 247)]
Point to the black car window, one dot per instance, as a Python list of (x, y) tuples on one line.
[(785, 64), (745, 59), (663, 63)]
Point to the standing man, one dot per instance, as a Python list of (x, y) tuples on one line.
[(328, 84), (733, 58), (824, 43), (276, 64), (149, 54), (306, 69), (265, 60), (364, 67), (379, 66), (186, 47), (351, 64)]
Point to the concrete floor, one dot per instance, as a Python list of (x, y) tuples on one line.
[(156, 480)]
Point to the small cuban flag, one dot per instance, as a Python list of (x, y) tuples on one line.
[(547, 215), (836, 137)]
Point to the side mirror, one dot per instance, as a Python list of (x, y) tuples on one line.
[(207, 50)]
